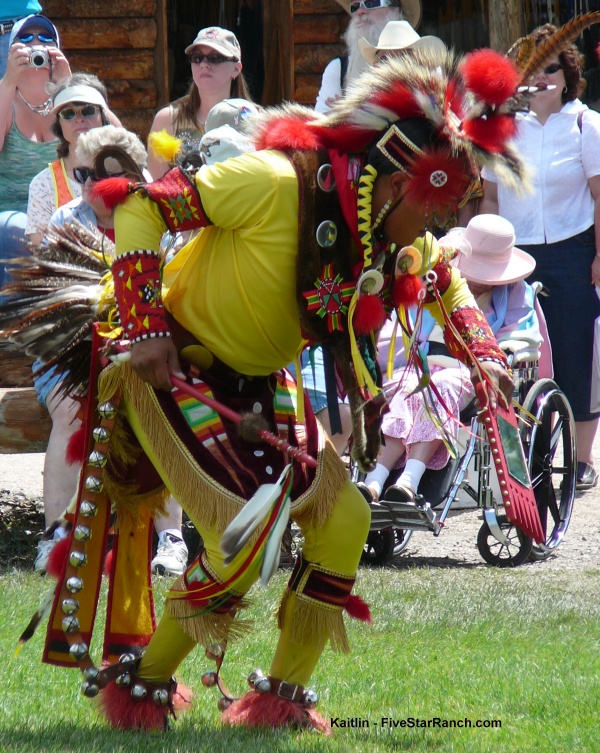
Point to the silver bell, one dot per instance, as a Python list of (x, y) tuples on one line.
[(263, 686), (88, 509), (214, 651), (90, 689), (82, 533), (91, 673), (70, 625), (255, 677), (138, 692), (74, 584), (160, 696), (70, 606), (209, 679), (107, 410), (94, 484), (124, 679), (78, 559), (97, 459), (127, 659), (79, 651), (223, 703), (310, 699), (101, 434)]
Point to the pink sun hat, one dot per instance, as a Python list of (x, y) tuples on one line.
[(494, 260)]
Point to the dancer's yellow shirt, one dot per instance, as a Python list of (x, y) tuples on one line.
[(234, 285)]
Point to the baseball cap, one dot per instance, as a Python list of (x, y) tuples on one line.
[(220, 40), (232, 112)]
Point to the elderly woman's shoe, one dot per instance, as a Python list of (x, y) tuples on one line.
[(587, 476)]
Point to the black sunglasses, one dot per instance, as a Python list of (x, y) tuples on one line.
[(552, 68), (213, 59), (81, 174)]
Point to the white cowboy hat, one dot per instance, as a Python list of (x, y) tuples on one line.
[(494, 259), (400, 35), (411, 10)]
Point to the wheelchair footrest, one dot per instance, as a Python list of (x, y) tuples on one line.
[(412, 516), (381, 517)]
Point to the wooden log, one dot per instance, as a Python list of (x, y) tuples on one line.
[(319, 29), (125, 95), (314, 58), (309, 7), (306, 89), (138, 121), (106, 34), (114, 64), (506, 23), (24, 424), (58, 9), (15, 368)]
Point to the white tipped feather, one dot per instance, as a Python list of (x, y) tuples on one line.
[(251, 516), (40, 614), (273, 547)]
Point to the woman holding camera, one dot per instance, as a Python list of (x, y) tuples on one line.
[(27, 143)]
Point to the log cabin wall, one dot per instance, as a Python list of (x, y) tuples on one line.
[(123, 42)]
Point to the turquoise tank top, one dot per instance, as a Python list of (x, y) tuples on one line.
[(20, 161)]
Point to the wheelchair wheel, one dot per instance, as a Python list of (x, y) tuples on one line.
[(381, 546), (512, 554), (550, 449)]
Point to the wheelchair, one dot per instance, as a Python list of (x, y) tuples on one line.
[(547, 435)]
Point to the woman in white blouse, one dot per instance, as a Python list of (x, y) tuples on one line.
[(558, 223)]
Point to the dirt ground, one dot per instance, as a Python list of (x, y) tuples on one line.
[(21, 524)]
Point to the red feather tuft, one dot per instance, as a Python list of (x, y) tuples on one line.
[(405, 291), (125, 712), (490, 75), (492, 133), (287, 132), (57, 557), (400, 100), (268, 710), (369, 315), (358, 609), (344, 138), (437, 180), (112, 191), (76, 448)]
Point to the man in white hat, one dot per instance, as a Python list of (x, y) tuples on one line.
[(367, 20), (399, 38)]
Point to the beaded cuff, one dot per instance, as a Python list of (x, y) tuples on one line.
[(178, 200), (138, 294), (476, 333)]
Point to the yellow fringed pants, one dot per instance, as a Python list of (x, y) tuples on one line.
[(335, 545)]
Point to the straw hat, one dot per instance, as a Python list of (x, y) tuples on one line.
[(400, 35), (494, 259), (411, 10)]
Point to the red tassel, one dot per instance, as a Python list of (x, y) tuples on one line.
[(405, 291), (490, 75), (76, 448), (369, 314), (112, 191), (358, 609), (268, 710), (287, 133), (57, 557), (124, 712), (108, 562)]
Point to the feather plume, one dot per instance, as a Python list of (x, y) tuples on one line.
[(554, 44), (273, 544), (40, 614), (164, 146)]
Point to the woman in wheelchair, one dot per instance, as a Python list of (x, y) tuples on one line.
[(418, 429)]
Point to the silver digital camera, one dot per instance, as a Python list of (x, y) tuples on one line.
[(39, 58)]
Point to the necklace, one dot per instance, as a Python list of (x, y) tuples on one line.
[(43, 109)]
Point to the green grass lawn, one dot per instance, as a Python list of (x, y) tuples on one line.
[(520, 647)]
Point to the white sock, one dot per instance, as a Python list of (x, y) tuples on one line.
[(412, 474), (174, 532), (377, 478)]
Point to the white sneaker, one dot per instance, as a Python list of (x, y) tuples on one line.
[(44, 547), (171, 556)]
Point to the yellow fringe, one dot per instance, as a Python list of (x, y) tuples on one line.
[(311, 621)]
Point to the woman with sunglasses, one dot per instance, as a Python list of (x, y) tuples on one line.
[(79, 103), (215, 57), (559, 138), (27, 143)]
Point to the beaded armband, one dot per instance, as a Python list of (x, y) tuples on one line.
[(477, 335), (176, 196), (138, 294)]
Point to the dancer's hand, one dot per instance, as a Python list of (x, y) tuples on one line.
[(155, 360), (501, 380)]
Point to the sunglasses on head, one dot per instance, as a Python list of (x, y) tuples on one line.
[(81, 174), (369, 5), (213, 59), (87, 111), (552, 68), (43, 38)]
